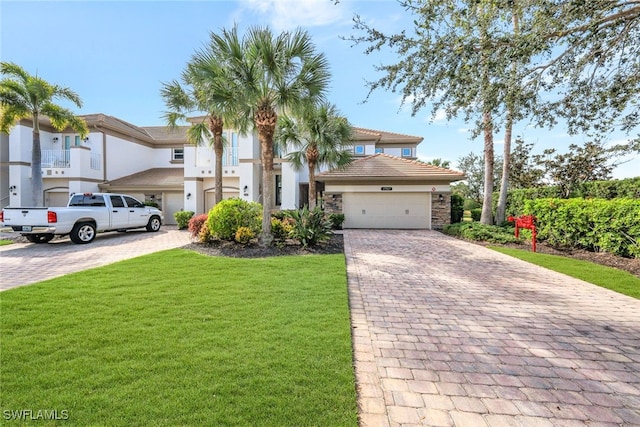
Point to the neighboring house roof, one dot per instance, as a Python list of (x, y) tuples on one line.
[(381, 137), (158, 178), (388, 167)]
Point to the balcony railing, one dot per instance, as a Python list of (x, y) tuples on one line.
[(62, 159), (230, 157), (205, 157), (56, 158)]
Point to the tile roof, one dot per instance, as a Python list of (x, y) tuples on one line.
[(158, 177), (382, 137), (390, 167)]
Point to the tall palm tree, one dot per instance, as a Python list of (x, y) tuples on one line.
[(264, 76), (24, 96), (322, 137), (193, 96)]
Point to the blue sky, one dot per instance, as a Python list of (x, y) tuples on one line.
[(117, 54)]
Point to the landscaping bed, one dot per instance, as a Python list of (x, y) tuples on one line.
[(253, 250)]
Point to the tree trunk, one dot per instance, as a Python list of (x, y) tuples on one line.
[(216, 126), (487, 208), (312, 159), (504, 182), (36, 165), (501, 210), (266, 119)]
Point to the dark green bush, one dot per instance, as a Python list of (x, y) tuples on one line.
[(182, 218), (229, 215), (457, 208), (476, 214), (152, 204), (310, 227), (471, 204), (595, 224), (482, 233), (337, 219)]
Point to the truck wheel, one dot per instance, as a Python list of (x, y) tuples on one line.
[(39, 238), (154, 224), (83, 232)]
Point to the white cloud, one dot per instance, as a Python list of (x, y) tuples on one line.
[(290, 14)]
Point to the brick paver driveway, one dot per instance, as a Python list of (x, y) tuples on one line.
[(448, 333), (25, 263)]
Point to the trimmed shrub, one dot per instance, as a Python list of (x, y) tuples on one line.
[(281, 228), (196, 223), (476, 214), (205, 234), (457, 208), (244, 235), (310, 227), (229, 215), (594, 224), (337, 219), (182, 218)]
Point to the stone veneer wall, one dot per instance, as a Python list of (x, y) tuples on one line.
[(332, 203), (440, 211)]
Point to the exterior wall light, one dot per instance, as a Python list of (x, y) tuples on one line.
[(441, 198), (12, 188), (246, 190), (188, 196), (55, 139)]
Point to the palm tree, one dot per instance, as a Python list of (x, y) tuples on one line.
[(194, 96), (24, 96), (262, 76), (322, 137)]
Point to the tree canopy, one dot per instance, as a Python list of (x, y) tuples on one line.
[(25, 96)]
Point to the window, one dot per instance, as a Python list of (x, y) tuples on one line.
[(86, 200), (116, 201), (379, 150), (177, 154), (133, 203), (77, 141), (407, 152), (359, 150)]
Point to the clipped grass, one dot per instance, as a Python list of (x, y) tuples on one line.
[(178, 338), (5, 242), (607, 277)]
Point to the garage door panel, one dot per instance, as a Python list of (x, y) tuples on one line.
[(384, 210)]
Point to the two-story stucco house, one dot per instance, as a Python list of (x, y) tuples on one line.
[(385, 187)]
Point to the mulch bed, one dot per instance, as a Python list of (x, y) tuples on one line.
[(253, 250)]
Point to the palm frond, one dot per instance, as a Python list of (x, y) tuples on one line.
[(61, 118), (10, 115), (14, 70), (67, 94)]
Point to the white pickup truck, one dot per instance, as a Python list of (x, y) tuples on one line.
[(85, 215)]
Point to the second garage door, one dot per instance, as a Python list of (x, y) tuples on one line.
[(387, 210)]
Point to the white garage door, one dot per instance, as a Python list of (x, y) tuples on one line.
[(173, 202), (387, 210)]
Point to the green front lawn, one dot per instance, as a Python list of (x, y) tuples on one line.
[(607, 277), (178, 338), (5, 242)]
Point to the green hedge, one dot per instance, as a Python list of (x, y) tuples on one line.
[(595, 224), (613, 189)]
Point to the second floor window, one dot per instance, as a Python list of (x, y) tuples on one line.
[(359, 150), (407, 152), (177, 154)]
